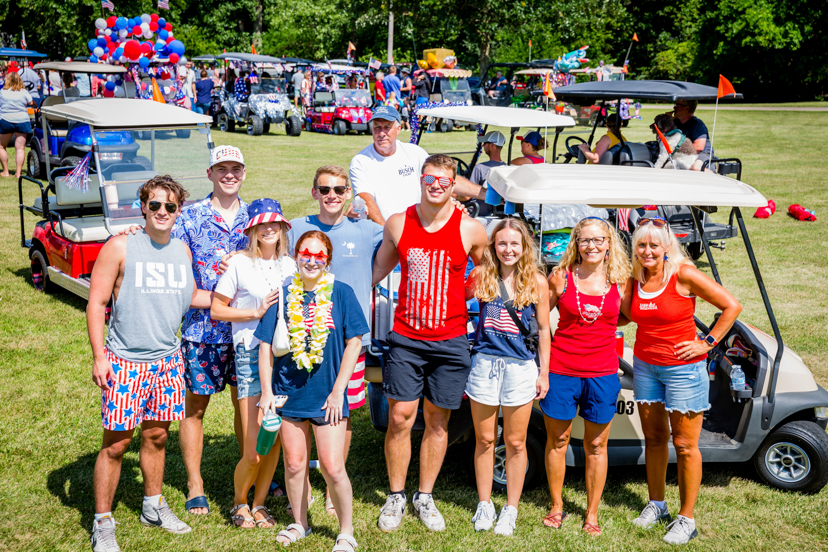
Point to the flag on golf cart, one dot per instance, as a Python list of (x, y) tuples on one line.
[(23, 41), (375, 64), (163, 4), (108, 5), (725, 88), (547, 86)]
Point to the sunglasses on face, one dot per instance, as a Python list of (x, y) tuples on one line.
[(306, 256), (442, 181), (658, 222), (155, 205), (338, 190)]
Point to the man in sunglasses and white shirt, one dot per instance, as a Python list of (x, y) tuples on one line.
[(386, 174)]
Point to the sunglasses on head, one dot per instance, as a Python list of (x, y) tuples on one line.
[(338, 190), (442, 181), (658, 222), (155, 205), (306, 256)]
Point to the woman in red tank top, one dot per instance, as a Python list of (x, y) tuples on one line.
[(587, 287), (531, 147), (670, 379)]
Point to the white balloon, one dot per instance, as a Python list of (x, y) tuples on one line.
[(146, 18), (144, 27), (182, 60), (147, 34), (100, 23), (68, 59), (119, 91), (108, 32), (123, 33), (98, 51), (122, 59)]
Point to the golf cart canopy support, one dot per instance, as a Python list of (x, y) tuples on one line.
[(80, 67), (249, 58), (662, 90), (127, 113)]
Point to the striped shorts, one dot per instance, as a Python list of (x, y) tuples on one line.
[(356, 387), (143, 391)]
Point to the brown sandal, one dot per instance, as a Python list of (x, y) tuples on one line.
[(554, 520), (592, 530)]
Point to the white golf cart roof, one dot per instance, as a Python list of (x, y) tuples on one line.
[(613, 186), (499, 116), (80, 67), (541, 71), (126, 114)]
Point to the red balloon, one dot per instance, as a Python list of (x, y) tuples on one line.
[(173, 58), (137, 30), (154, 17), (112, 46), (107, 38), (146, 47), (132, 49), (108, 93), (153, 26), (110, 21), (168, 27)]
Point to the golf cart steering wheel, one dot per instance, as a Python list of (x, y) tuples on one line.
[(573, 150), (462, 167)]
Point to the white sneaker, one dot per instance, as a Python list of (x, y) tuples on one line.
[(681, 531), (391, 514), (428, 512), (506, 521), (650, 515), (484, 516), (103, 536), (161, 516)]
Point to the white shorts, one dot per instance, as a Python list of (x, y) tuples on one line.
[(503, 381)]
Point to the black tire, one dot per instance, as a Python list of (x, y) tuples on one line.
[(293, 126), (183, 133), (255, 125), (794, 458), (308, 126), (695, 250), (71, 161), (40, 276), (34, 165), (446, 125), (225, 123), (625, 123), (339, 128), (265, 128), (143, 161), (534, 461)]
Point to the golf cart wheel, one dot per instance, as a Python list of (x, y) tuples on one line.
[(255, 125), (34, 165), (794, 458), (143, 161), (695, 250), (265, 128), (183, 133), (308, 126), (534, 462), (293, 126), (71, 161), (625, 123), (339, 128), (446, 125), (225, 123), (40, 274)]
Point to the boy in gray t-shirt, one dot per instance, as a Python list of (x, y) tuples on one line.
[(140, 369)]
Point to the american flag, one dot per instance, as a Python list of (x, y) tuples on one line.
[(310, 311), (108, 5), (23, 41), (375, 64), (163, 4), (426, 294), (498, 319), (624, 219)]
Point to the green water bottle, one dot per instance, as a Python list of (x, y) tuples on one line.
[(271, 422)]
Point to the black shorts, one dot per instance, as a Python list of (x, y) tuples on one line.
[(436, 370), (317, 421)]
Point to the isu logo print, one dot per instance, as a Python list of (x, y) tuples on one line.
[(160, 278), (428, 276)]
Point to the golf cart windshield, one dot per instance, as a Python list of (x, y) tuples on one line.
[(268, 86), (454, 89), (352, 98)]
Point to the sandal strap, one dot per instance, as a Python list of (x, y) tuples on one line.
[(347, 538), (259, 509), (293, 537), (238, 507)]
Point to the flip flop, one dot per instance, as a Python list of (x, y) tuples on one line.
[(554, 520), (591, 529), (197, 502)]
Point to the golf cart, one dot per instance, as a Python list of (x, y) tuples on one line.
[(507, 96), (343, 109), (76, 220), (268, 102), (777, 421)]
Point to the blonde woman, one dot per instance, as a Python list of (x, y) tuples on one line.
[(14, 121), (504, 375), (670, 367), (249, 286), (587, 287), (612, 138)]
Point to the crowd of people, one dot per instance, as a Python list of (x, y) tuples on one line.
[(278, 311)]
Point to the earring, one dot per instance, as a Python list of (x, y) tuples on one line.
[(607, 255), (666, 258)]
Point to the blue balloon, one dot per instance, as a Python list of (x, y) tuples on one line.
[(118, 53), (110, 85), (162, 22), (121, 23), (176, 47), (92, 44), (101, 42), (143, 62), (119, 82), (162, 34), (159, 44), (93, 59)]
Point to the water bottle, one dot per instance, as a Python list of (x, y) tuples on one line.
[(737, 378), (271, 422), (359, 208)]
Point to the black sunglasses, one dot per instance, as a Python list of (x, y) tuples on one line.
[(155, 205), (338, 190)]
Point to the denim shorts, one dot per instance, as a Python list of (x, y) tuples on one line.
[(684, 388), (247, 372), (7, 127), (593, 398)]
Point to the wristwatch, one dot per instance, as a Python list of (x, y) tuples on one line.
[(710, 340)]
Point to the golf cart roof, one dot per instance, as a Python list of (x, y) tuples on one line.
[(536, 71), (80, 67), (249, 58), (206, 57), (126, 114), (443, 72), (338, 69), (18, 53), (612, 186), (664, 90), (499, 116)]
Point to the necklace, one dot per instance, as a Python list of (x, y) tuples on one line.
[(307, 353), (267, 269), (592, 315)]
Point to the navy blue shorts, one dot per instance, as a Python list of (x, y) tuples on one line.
[(593, 398), (208, 367), (15, 128)]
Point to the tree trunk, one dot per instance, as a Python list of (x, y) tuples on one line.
[(258, 21), (485, 53)]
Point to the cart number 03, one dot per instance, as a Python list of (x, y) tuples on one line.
[(627, 408)]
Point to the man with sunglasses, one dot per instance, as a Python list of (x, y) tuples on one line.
[(386, 174), (139, 366), (693, 127), (428, 352)]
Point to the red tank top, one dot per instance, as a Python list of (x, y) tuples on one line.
[(579, 348), (535, 160), (663, 321), (432, 304)]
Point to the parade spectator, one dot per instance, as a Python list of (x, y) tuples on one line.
[(307, 96), (379, 89), (326, 326), (422, 87), (670, 382), (189, 84), (203, 90), (498, 84), (139, 366), (298, 80), (492, 145), (612, 138), (684, 113), (504, 377), (428, 354), (230, 81), (531, 146), (14, 122), (33, 83), (406, 85), (84, 84), (392, 82)]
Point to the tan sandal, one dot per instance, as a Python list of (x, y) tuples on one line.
[(266, 522), (239, 520)]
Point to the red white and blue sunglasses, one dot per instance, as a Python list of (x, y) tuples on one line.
[(442, 181)]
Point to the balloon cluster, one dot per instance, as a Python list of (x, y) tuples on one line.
[(118, 39), (570, 61)]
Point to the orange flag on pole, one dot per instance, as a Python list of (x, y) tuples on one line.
[(253, 48), (664, 141), (351, 46), (725, 88), (635, 37), (157, 96), (547, 86)]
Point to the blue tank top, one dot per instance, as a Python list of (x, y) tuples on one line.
[(498, 335)]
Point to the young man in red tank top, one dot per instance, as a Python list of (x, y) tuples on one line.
[(428, 347)]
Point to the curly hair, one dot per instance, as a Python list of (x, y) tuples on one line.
[(618, 261), (488, 275), (674, 252), (164, 182)]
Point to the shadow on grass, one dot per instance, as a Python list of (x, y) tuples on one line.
[(58, 293)]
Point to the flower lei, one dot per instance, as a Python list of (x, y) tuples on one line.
[(307, 357)]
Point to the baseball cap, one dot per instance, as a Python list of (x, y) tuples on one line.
[(264, 210), (533, 138), (494, 137), (386, 113), (405, 70), (225, 153)]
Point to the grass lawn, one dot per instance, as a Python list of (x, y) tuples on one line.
[(50, 415)]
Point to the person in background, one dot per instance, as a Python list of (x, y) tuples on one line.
[(203, 90), (492, 145), (422, 87), (241, 87), (379, 89), (33, 83), (189, 84), (531, 147), (406, 85), (686, 121), (14, 122), (230, 81), (307, 94), (392, 82), (498, 83), (612, 138), (298, 80)]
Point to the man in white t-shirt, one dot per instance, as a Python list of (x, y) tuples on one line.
[(387, 173)]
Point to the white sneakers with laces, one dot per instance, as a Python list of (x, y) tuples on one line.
[(650, 515), (103, 536), (506, 522), (681, 531), (161, 516), (391, 514), (484, 516), (429, 514)]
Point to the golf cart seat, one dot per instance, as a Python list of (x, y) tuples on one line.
[(92, 229), (67, 200), (323, 99), (71, 92), (57, 126), (127, 171), (634, 153), (608, 158), (129, 90)]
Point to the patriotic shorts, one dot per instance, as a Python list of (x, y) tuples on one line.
[(356, 387), (208, 367), (143, 391)]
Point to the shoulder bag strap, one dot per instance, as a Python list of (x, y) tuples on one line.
[(504, 296)]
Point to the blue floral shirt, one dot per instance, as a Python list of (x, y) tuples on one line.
[(209, 238)]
